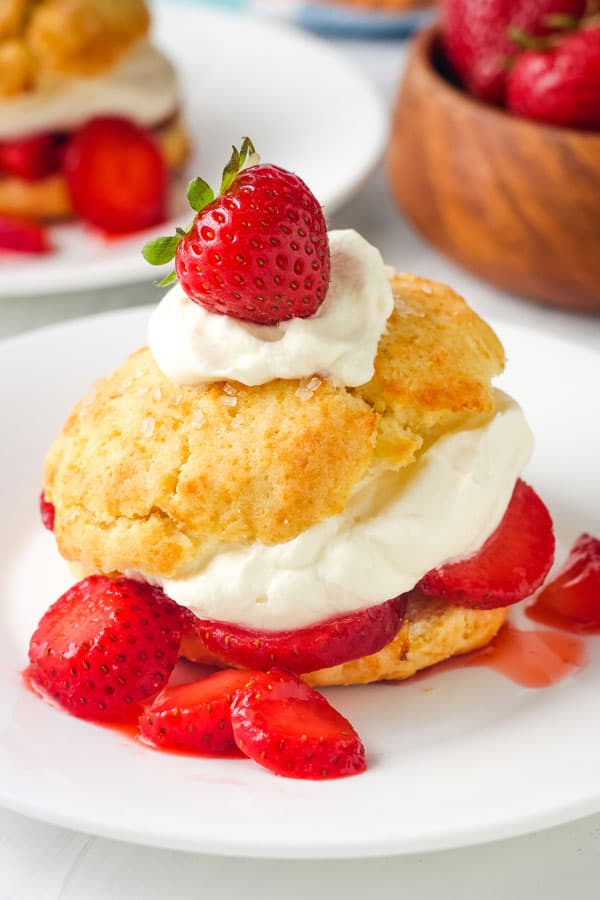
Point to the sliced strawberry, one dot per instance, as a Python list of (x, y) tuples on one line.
[(195, 717), (572, 599), (287, 727), (328, 643), (47, 512), (22, 235), (33, 157), (116, 175), (105, 646), (510, 566)]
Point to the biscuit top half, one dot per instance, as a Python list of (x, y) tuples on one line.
[(65, 38), (147, 474)]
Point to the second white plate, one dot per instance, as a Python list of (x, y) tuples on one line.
[(454, 758), (306, 108)]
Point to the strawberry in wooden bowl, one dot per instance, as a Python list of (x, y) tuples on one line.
[(494, 154)]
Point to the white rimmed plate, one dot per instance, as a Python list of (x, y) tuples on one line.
[(455, 758), (306, 107)]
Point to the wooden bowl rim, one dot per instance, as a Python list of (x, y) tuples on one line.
[(421, 57)]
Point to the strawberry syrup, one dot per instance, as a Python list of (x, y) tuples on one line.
[(533, 659)]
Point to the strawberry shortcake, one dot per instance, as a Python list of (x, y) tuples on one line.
[(306, 478), (89, 117)]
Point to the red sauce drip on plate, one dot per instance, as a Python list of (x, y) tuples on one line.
[(184, 672), (533, 659)]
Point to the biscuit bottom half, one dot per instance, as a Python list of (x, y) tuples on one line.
[(431, 632), (48, 198)]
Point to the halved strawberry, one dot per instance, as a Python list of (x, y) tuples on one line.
[(286, 726), (116, 175), (22, 235), (327, 643), (195, 717), (510, 566), (105, 646), (32, 158), (572, 599)]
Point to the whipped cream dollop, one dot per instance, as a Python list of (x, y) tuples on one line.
[(192, 345), (142, 86), (395, 528)]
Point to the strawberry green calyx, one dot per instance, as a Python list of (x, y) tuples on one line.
[(162, 250), (562, 22), (526, 41)]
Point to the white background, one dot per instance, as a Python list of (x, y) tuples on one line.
[(42, 862)]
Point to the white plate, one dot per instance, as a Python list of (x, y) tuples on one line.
[(474, 758), (305, 106)]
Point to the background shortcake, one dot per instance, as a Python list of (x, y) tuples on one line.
[(309, 462), (89, 114)]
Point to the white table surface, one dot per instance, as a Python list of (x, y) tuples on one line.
[(42, 862)]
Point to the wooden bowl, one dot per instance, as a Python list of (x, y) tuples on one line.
[(516, 202)]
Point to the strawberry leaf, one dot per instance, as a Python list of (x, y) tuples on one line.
[(171, 278), (161, 250), (237, 161), (248, 150), (230, 171), (199, 194)]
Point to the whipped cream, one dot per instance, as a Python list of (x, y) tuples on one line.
[(141, 86), (192, 345), (395, 528)]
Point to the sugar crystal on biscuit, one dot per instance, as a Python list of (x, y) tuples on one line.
[(147, 427)]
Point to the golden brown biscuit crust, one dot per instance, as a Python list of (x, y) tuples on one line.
[(48, 198), (69, 37), (433, 369), (146, 475), (431, 632)]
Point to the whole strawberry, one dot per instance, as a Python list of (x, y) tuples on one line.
[(561, 85), (258, 252), (105, 646), (476, 36)]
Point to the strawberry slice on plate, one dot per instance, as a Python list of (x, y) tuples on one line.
[(319, 646), (289, 728), (572, 599), (116, 175), (195, 717), (32, 158), (511, 565), (21, 235), (105, 646)]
